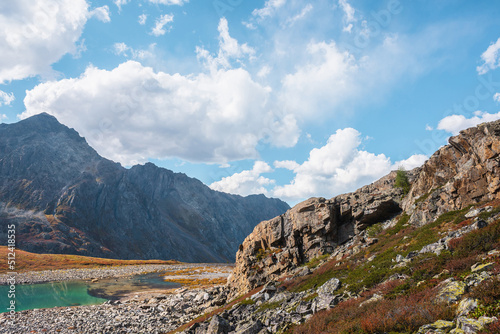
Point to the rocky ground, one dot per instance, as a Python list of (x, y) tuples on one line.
[(270, 309)]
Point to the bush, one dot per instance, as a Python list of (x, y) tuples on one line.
[(402, 181), (476, 242), (403, 314)]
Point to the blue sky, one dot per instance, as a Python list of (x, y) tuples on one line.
[(288, 98)]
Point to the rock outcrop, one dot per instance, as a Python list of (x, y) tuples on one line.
[(65, 198), (310, 229), (465, 172)]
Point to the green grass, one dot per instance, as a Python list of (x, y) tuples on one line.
[(314, 262), (268, 306), (248, 301)]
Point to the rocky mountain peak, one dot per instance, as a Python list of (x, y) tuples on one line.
[(68, 199)]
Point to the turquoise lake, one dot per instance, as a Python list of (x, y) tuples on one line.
[(75, 293)]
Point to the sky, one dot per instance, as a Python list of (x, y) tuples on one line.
[(288, 98)]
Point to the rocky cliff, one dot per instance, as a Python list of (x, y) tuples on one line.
[(462, 173), (65, 198)]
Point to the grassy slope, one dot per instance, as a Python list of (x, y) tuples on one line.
[(26, 261), (407, 304)]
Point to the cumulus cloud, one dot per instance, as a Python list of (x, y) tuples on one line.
[(6, 98), (335, 168), (161, 22), (338, 167), (101, 13), (142, 19), (229, 49), (286, 164), (246, 182), (269, 8), (455, 123), (496, 97), (169, 2), (416, 160), (326, 79), (132, 113), (30, 29), (491, 58)]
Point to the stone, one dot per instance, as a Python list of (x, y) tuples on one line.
[(440, 326), (329, 287), (375, 298), (472, 326), (450, 290), (466, 306), (253, 328), (482, 266), (218, 325), (324, 302), (474, 212)]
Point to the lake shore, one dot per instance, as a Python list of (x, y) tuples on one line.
[(153, 311), (32, 277)]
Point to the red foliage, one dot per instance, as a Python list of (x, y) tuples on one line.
[(403, 314)]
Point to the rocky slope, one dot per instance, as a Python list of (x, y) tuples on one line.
[(462, 173), (65, 198)]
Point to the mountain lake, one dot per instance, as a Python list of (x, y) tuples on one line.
[(81, 292)]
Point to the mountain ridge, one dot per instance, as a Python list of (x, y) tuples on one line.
[(84, 204)]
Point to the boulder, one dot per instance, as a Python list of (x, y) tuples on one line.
[(218, 325), (329, 287), (450, 290)]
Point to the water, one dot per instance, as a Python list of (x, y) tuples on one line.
[(75, 293)]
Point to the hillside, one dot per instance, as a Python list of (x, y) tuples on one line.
[(378, 260), (66, 199)]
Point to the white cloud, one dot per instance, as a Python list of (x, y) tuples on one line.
[(229, 48), (455, 123), (428, 127), (36, 34), (349, 18), (161, 22), (416, 160), (286, 164), (122, 49), (246, 182), (142, 19), (101, 13), (491, 58), (292, 20), (496, 97), (169, 2), (327, 79), (338, 167), (120, 3), (6, 99), (264, 71), (131, 113), (269, 8), (2, 117)]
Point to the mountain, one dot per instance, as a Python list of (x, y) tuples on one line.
[(65, 198), (464, 173)]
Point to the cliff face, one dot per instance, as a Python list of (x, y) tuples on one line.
[(467, 171), (310, 229), (462, 173), (65, 198)]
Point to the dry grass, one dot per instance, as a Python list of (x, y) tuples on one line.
[(26, 261)]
